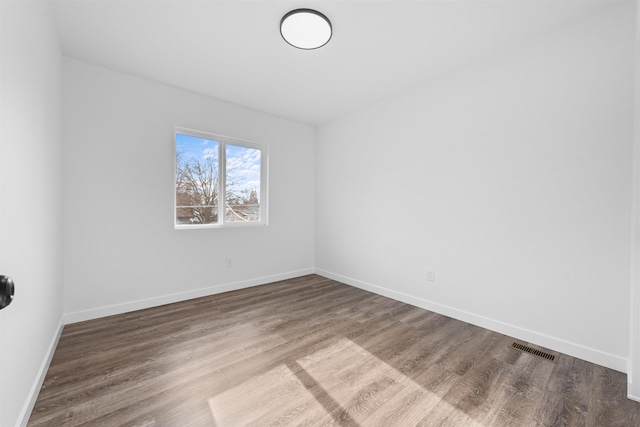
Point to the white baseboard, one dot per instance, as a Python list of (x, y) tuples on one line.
[(631, 395), (23, 419), (572, 349), (95, 313)]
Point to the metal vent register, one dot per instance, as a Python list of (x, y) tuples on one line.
[(533, 351)]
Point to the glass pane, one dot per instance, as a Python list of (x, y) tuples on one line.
[(196, 180), (243, 184)]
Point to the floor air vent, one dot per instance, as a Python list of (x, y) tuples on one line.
[(533, 351)]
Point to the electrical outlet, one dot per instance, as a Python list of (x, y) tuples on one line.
[(431, 275), (228, 261)]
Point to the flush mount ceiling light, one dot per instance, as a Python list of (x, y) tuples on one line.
[(305, 29)]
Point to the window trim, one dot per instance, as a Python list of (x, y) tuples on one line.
[(223, 141)]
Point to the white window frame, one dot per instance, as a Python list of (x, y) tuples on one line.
[(223, 141)]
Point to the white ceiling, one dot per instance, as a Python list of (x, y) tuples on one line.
[(232, 50)]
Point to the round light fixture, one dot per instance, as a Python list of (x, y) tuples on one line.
[(305, 29)]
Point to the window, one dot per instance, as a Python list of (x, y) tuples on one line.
[(219, 181)]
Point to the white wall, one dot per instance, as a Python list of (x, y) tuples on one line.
[(31, 201), (511, 178), (633, 372), (121, 250)]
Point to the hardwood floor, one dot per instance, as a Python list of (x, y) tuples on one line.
[(312, 351)]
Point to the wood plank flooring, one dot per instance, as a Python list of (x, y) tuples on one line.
[(312, 351)]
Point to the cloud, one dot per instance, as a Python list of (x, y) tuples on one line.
[(243, 163), (210, 153)]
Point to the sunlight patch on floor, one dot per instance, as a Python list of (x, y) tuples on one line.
[(276, 396), (338, 384)]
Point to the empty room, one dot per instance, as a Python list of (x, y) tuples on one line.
[(355, 213)]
